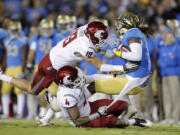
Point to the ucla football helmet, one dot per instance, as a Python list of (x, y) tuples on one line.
[(62, 23), (14, 29), (127, 21), (72, 22), (104, 21), (172, 24), (46, 27)]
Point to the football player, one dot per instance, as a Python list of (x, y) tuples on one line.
[(72, 102), (84, 40), (63, 27), (73, 23), (40, 45), (15, 46), (3, 35), (137, 67)]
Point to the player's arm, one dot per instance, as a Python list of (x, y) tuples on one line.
[(94, 61), (79, 121), (90, 56), (24, 52), (4, 60), (31, 56), (135, 54)]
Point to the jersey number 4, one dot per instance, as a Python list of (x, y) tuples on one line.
[(70, 38)]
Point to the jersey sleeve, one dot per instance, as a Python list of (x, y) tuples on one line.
[(89, 52), (132, 33), (68, 100)]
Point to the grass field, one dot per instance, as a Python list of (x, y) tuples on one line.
[(27, 127)]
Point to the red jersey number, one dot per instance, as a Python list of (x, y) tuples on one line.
[(70, 38)]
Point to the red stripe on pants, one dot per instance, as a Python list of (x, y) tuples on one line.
[(46, 71)]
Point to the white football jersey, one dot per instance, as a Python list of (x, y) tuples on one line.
[(68, 97), (63, 53)]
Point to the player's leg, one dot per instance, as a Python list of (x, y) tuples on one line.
[(113, 121), (53, 91), (116, 109), (19, 93), (45, 120), (44, 76), (32, 100), (111, 85), (5, 99), (20, 102), (43, 105), (32, 103), (5, 91), (45, 70), (17, 82)]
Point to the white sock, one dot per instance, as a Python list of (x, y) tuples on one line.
[(5, 103), (49, 115), (42, 111), (20, 104)]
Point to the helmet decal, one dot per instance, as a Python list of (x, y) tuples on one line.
[(98, 34)]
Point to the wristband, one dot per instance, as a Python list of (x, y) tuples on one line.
[(94, 116), (118, 53)]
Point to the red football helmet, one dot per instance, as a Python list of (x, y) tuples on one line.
[(71, 77), (97, 32)]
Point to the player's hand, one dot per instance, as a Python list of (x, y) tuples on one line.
[(29, 69), (131, 66), (102, 111), (78, 54)]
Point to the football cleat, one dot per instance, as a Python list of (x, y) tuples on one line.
[(142, 122)]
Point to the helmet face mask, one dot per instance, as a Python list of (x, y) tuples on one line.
[(97, 33), (63, 23), (126, 21), (14, 29), (46, 27)]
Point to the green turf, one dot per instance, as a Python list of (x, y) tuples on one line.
[(26, 127)]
